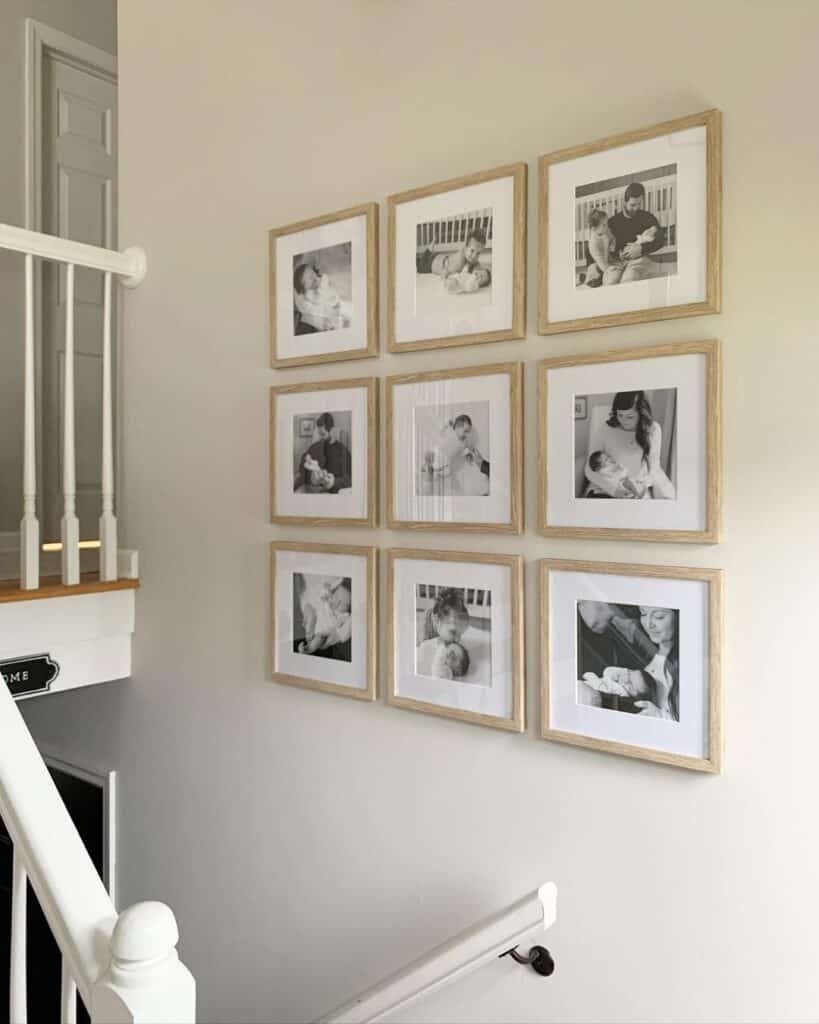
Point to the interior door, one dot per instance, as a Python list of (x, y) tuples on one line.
[(79, 181)]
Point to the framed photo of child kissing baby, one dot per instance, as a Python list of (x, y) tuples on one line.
[(323, 453), (454, 449), (324, 288), (455, 635), (630, 227), (630, 444), (323, 617), (632, 660), (456, 271)]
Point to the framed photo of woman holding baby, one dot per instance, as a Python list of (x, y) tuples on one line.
[(630, 227), (632, 660), (455, 635)]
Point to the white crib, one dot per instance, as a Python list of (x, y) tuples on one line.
[(478, 601), (450, 233)]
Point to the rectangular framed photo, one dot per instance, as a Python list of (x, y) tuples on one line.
[(630, 227), (456, 272), (631, 660), (323, 617), (643, 461), (324, 453), (455, 635), (454, 449), (324, 288)]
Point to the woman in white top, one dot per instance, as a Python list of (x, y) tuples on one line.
[(633, 438)]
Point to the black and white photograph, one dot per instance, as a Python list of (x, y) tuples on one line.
[(322, 459), (453, 261), (322, 289), (626, 228), (454, 633), (452, 449), (322, 616), (625, 447), (628, 659)]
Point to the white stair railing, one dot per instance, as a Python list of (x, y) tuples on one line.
[(124, 966), (130, 267)]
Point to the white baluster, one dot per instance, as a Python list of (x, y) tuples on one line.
[(108, 522), (70, 526), (29, 525), (68, 998), (18, 1004)]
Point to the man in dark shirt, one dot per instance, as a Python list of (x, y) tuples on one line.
[(627, 226), (332, 457)]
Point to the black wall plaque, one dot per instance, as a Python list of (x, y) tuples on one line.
[(33, 674)]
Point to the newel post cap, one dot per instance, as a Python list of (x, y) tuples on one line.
[(144, 932)]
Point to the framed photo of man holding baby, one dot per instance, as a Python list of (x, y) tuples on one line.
[(642, 460), (455, 635), (456, 271), (324, 288), (632, 660), (323, 453), (454, 449), (630, 227)]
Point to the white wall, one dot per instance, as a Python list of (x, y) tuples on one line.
[(286, 826)]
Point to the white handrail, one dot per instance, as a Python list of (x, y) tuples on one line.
[(131, 265), (452, 960)]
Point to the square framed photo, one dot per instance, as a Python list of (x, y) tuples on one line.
[(643, 462), (455, 635), (630, 227), (323, 617), (454, 449), (456, 268), (631, 660), (324, 453), (324, 288)]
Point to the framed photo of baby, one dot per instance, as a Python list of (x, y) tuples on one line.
[(456, 270), (323, 451), (454, 449), (630, 227), (323, 617), (631, 660), (643, 461), (324, 288), (455, 635)]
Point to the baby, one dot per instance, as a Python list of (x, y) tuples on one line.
[(327, 618), (318, 477), (450, 660), (318, 302), (602, 243), (468, 281), (616, 479), (446, 264)]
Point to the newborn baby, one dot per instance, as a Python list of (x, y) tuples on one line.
[(450, 660), (318, 477), (617, 482), (468, 280)]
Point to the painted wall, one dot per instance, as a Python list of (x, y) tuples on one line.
[(311, 844), (95, 22)]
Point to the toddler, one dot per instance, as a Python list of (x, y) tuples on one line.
[(445, 264)]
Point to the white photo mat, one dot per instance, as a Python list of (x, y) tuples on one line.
[(690, 737), (499, 194), (291, 346), (353, 674), (688, 150), (497, 699), (688, 510)]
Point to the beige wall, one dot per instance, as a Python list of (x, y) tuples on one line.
[(95, 22), (285, 825)]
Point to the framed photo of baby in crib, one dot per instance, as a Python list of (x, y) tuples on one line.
[(456, 271), (643, 461), (454, 449), (324, 288), (324, 452), (323, 617), (630, 227), (455, 635), (631, 660)]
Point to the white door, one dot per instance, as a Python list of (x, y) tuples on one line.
[(79, 201)]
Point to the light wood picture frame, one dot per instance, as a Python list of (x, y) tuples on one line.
[(439, 572), (356, 425), (663, 159), (358, 662), (680, 415), (424, 312), (421, 414), (698, 598), (338, 318)]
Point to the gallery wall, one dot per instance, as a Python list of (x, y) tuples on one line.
[(310, 844)]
